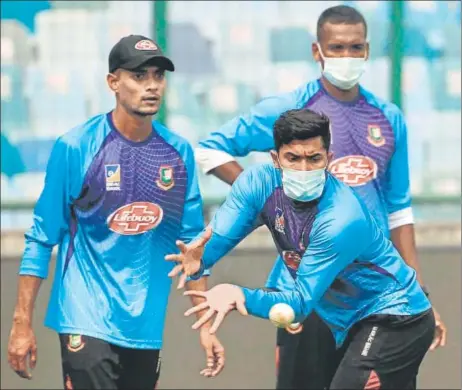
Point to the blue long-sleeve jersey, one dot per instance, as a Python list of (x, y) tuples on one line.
[(115, 208), (369, 145), (339, 259)]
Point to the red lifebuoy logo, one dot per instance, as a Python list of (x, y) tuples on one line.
[(354, 170), (292, 259), (135, 218), (145, 45)]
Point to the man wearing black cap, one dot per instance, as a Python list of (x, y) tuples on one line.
[(120, 190)]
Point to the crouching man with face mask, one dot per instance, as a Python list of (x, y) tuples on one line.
[(369, 153), (339, 261)]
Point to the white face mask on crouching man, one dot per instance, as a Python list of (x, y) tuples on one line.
[(302, 186)]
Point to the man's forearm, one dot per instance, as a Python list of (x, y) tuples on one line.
[(403, 238), (259, 302), (28, 288), (198, 285), (227, 172)]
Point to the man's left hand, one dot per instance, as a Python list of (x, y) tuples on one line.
[(214, 351)]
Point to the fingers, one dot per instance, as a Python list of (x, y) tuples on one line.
[(182, 246), (24, 374), (440, 337), (218, 320), (182, 281), (210, 357), (443, 335), (12, 360), (436, 342), (215, 360), (240, 306), (210, 361), (207, 372), (176, 270), (196, 293), (195, 309), (201, 321), (18, 364), (201, 241), (175, 257), (33, 356), (219, 357)]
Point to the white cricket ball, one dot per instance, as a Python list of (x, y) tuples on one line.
[(281, 315)]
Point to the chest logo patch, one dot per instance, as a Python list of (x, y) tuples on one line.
[(135, 218), (354, 170), (166, 181), (279, 223), (112, 174), (292, 259), (374, 136)]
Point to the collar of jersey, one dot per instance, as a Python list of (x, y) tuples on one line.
[(125, 139)]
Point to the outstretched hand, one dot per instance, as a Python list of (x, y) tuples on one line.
[(219, 301), (190, 257)]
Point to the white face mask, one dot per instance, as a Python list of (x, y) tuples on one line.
[(303, 186), (343, 72)]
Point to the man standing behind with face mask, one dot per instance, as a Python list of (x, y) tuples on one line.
[(369, 145)]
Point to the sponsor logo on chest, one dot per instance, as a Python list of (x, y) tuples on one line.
[(135, 218), (292, 259), (354, 170)]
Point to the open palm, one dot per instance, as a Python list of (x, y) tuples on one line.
[(190, 257), (219, 301)]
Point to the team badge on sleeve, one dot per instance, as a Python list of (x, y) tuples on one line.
[(375, 136), (166, 180)]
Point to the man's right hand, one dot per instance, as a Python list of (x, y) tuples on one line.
[(189, 258), (22, 349)]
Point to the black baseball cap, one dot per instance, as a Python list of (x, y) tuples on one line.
[(135, 50)]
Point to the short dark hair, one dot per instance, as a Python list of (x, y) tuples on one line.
[(301, 124), (340, 14)]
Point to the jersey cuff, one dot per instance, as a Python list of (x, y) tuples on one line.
[(209, 159), (401, 218), (29, 269), (199, 274)]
